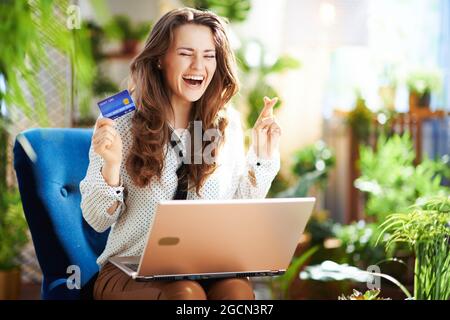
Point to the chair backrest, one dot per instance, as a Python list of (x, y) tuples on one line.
[(50, 163)]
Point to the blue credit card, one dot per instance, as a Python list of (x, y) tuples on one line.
[(116, 105)]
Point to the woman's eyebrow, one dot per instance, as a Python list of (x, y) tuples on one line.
[(192, 50)]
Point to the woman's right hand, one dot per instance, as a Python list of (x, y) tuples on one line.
[(107, 142)]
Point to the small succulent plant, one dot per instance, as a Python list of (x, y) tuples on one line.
[(368, 295)]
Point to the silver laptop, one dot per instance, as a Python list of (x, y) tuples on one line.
[(202, 239)]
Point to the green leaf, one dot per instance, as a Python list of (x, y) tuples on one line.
[(282, 64), (287, 278)]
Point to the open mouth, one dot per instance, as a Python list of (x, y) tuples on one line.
[(193, 80)]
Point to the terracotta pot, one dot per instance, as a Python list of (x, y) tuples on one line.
[(419, 102), (10, 284)]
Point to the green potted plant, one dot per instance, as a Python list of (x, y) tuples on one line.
[(404, 183), (421, 84), (368, 295), (395, 192), (360, 118), (121, 28), (426, 228)]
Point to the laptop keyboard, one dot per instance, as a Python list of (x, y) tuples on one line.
[(133, 266)]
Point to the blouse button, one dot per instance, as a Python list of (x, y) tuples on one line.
[(64, 192)]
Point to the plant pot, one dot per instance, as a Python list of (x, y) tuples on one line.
[(10, 284), (129, 46), (419, 101)]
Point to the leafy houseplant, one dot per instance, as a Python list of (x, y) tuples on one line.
[(390, 179), (368, 295), (360, 119), (421, 84), (315, 157), (311, 165), (426, 228), (391, 183), (27, 31)]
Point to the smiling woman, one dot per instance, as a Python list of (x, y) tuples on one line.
[(185, 74)]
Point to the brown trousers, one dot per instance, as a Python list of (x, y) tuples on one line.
[(114, 284)]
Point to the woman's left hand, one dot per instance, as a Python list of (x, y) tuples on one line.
[(266, 131)]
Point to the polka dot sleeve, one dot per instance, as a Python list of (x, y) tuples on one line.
[(97, 196)]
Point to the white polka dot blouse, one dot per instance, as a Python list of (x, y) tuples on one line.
[(237, 176)]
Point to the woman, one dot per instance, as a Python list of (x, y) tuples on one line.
[(185, 75)]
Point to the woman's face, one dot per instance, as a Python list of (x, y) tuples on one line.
[(190, 63)]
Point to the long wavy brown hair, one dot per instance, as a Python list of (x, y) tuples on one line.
[(150, 129)]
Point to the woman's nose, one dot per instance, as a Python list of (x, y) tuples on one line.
[(197, 63)]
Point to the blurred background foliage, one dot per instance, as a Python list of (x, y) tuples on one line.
[(311, 166), (255, 71), (392, 182), (232, 10), (28, 30)]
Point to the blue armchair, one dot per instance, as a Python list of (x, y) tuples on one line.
[(50, 163)]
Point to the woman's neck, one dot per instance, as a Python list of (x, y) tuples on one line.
[(181, 113)]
